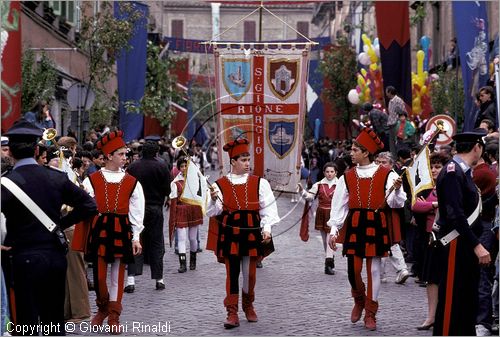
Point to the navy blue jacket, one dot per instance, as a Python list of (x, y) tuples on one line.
[(457, 199), (49, 189)]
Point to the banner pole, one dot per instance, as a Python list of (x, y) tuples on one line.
[(260, 20)]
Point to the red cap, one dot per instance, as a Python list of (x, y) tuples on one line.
[(111, 142), (369, 140), (237, 147)]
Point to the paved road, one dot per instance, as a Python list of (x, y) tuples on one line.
[(293, 295)]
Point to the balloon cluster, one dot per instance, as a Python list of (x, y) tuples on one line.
[(369, 78), (425, 43), (421, 85)]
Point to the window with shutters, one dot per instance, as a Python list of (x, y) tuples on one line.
[(69, 10), (249, 33), (302, 28), (177, 29)]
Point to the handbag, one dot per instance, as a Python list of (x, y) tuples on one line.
[(36, 211)]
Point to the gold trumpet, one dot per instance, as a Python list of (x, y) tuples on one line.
[(179, 142), (49, 135)]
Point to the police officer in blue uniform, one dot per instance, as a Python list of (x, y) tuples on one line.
[(459, 229), (35, 262)]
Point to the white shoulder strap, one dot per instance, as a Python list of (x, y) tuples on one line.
[(29, 203)]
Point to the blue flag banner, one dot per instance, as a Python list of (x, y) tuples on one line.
[(315, 109), (471, 24), (131, 72)]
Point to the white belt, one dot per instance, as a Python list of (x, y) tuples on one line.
[(470, 220)]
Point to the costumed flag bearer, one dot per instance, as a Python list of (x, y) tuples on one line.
[(360, 220), (245, 210), (114, 234)]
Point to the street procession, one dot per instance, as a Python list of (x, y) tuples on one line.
[(251, 167)]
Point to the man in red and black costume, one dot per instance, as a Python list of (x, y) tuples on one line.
[(245, 210), (360, 220), (114, 233)]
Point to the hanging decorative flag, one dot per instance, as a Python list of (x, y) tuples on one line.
[(131, 69), (393, 27), (261, 97), (419, 174), (10, 52), (471, 24), (195, 188)]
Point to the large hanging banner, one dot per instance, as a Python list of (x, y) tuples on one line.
[(10, 68), (261, 97), (471, 26)]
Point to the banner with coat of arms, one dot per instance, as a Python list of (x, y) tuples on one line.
[(261, 97)]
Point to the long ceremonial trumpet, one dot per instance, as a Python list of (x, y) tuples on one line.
[(179, 143)]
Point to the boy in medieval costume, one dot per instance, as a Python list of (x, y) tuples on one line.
[(360, 219), (184, 218), (323, 190), (245, 210), (114, 232)]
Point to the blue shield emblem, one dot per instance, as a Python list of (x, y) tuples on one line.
[(236, 77), (281, 136)]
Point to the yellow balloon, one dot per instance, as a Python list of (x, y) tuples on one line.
[(366, 40), (423, 90), (361, 81), (373, 55), (373, 66), (363, 71), (420, 61), (420, 81)]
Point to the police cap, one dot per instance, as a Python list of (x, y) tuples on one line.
[(24, 131), (474, 136), (152, 138), (5, 141)]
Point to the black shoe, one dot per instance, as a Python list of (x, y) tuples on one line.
[(329, 266), (259, 264), (425, 327), (129, 289), (182, 263), (160, 285), (199, 250), (176, 252), (192, 260)]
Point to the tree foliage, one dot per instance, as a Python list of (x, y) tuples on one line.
[(161, 87), (448, 95), (339, 69), (102, 38), (39, 79)]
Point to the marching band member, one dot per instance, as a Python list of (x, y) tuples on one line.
[(77, 305), (245, 208), (114, 233), (185, 218)]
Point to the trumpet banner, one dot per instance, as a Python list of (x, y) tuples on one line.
[(195, 187), (261, 96)]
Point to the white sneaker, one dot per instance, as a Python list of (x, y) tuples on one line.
[(481, 330), (402, 276), (383, 279)]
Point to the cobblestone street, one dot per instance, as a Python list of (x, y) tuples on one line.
[(293, 295)]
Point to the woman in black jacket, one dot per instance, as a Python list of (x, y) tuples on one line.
[(487, 109)]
